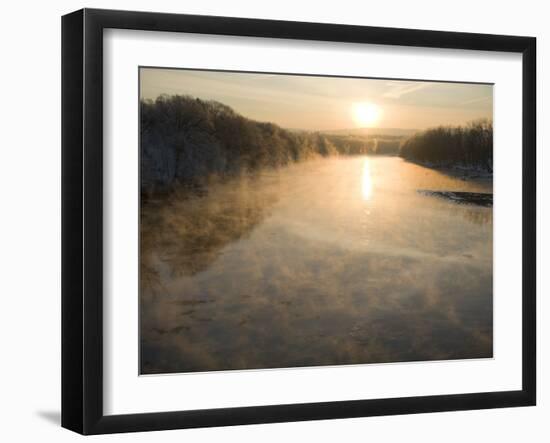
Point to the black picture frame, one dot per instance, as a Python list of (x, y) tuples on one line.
[(82, 220)]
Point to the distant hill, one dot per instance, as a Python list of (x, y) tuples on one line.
[(392, 132)]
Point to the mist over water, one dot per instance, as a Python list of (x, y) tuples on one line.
[(326, 262)]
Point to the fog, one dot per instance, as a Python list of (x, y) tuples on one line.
[(333, 261)]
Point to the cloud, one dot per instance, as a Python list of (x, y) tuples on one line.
[(397, 90)]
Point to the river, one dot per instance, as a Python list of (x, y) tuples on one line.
[(327, 262)]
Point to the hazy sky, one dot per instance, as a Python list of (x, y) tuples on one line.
[(326, 103)]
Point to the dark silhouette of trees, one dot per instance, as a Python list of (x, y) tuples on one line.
[(469, 147), (186, 140)]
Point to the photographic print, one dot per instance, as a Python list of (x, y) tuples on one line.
[(296, 220)]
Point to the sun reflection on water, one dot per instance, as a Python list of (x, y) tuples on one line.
[(366, 181)]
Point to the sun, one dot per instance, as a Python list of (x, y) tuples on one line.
[(366, 114)]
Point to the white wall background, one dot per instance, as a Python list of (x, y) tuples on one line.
[(30, 221)]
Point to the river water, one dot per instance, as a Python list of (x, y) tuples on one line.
[(328, 262)]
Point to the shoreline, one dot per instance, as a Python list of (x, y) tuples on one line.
[(457, 171)]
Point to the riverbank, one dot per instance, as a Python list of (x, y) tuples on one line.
[(458, 171), (462, 151)]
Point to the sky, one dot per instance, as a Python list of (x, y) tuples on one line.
[(327, 103)]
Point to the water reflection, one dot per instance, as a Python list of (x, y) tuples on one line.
[(275, 271), (183, 234), (366, 181)]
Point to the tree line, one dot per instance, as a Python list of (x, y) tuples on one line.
[(469, 146), (184, 139)]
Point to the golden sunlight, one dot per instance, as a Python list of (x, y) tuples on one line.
[(366, 114), (366, 181)]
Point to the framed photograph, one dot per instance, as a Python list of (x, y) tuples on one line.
[(269, 221)]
